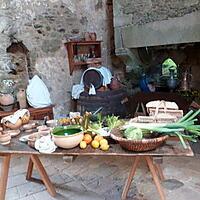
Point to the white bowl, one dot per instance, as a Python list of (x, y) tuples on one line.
[(52, 123)]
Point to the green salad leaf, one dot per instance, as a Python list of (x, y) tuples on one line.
[(132, 133)]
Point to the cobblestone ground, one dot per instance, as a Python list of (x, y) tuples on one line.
[(102, 178)]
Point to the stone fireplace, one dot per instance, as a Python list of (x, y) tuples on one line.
[(149, 31)]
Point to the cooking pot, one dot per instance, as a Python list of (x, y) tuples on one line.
[(94, 77)]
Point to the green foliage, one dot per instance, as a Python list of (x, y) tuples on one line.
[(113, 121), (133, 133)]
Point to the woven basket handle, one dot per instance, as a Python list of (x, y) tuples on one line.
[(162, 102)]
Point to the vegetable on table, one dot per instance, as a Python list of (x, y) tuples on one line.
[(185, 128), (113, 121)]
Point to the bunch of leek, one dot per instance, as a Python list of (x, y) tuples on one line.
[(186, 123)]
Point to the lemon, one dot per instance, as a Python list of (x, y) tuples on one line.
[(98, 138), (103, 141), (83, 144), (104, 147), (95, 144)]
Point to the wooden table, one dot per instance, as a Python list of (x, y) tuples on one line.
[(171, 148)]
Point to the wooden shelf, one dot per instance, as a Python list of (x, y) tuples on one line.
[(87, 62), (78, 48)]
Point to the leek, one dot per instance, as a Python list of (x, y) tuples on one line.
[(186, 123)]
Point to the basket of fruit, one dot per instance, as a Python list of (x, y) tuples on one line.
[(148, 136)]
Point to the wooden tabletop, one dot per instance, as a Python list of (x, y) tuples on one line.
[(170, 148)]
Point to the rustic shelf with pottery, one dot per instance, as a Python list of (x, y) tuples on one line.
[(84, 52)]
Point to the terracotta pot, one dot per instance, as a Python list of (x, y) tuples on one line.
[(5, 138), (17, 125), (87, 36), (25, 119), (21, 98), (6, 99), (93, 36), (115, 84), (12, 133)]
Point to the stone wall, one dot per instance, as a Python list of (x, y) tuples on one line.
[(155, 22), (43, 26)]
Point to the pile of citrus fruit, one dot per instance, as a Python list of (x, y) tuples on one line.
[(97, 142)]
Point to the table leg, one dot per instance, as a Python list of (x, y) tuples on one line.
[(159, 171), (4, 175), (29, 173), (29, 170), (130, 177), (36, 161), (155, 177)]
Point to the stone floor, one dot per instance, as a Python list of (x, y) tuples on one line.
[(102, 178)]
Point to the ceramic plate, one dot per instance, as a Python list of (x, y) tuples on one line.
[(24, 138)]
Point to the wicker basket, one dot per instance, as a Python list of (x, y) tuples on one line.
[(137, 145)]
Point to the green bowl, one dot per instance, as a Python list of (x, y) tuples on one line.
[(66, 130), (67, 137)]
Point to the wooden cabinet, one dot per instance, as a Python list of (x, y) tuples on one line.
[(36, 113), (83, 53)]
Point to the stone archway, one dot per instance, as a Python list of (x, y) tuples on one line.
[(19, 55)]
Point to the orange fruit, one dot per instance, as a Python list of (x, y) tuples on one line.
[(87, 138), (98, 138)]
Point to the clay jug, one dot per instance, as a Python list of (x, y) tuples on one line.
[(21, 98), (6, 99), (172, 81), (115, 84), (93, 36), (87, 36)]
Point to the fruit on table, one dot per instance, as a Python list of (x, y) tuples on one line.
[(103, 141), (87, 138), (83, 144), (98, 138), (95, 144), (104, 147)]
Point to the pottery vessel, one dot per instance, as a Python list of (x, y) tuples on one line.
[(34, 136), (17, 125), (115, 84), (87, 36), (93, 36), (52, 123), (6, 99), (172, 81), (29, 126), (21, 98), (68, 141), (12, 133), (25, 119), (5, 138)]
